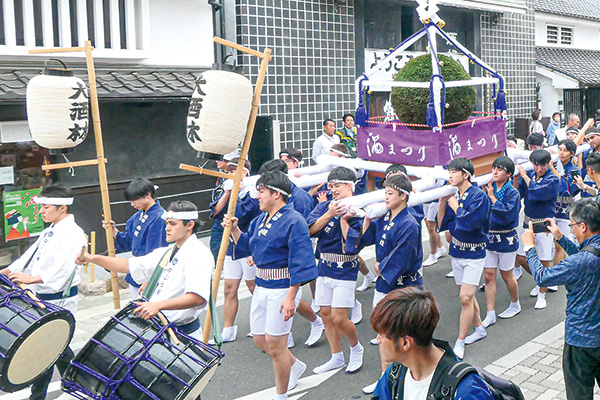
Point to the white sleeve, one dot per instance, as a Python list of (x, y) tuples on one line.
[(58, 266), (198, 273), (19, 263), (141, 268), (316, 150)]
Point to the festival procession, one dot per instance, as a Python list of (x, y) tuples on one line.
[(422, 225)]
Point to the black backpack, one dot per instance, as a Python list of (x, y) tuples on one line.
[(449, 374)]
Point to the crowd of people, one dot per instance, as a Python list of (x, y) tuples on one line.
[(285, 238)]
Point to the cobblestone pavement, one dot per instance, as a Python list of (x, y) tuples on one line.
[(537, 366)]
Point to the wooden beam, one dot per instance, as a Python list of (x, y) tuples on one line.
[(49, 167), (242, 48), (204, 171), (57, 50)]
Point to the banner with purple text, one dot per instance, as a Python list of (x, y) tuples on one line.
[(403, 145)]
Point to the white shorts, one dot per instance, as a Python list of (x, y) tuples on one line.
[(334, 292), (544, 244), (467, 271), (430, 210), (69, 304), (377, 297), (265, 317), (238, 269), (504, 261), (565, 229)]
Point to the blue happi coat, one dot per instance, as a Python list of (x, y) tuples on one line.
[(281, 242), (540, 196), (504, 219), (398, 250), (469, 225), (566, 191), (301, 201), (330, 240)]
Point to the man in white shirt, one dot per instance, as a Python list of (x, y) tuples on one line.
[(324, 142), (180, 287), (48, 266), (573, 122)]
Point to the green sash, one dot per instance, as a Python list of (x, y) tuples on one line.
[(157, 273)]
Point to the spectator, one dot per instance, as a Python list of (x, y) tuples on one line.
[(326, 140), (592, 170), (536, 125), (580, 273), (404, 321), (347, 134), (573, 123), (551, 129)]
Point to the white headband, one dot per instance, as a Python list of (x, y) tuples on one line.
[(397, 188), (339, 152), (53, 201), (180, 215), (232, 164), (340, 181), (277, 190)]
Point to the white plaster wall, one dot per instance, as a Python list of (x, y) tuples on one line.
[(181, 33), (586, 34), (549, 96)]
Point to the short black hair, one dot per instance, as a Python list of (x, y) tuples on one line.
[(540, 157), (505, 163), (327, 120), (56, 190), (293, 153), (399, 181), (236, 161), (341, 148), (139, 188), (569, 145), (184, 205), (571, 129), (511, 138), (463, 164), (587, 211), (593, 161), (535, 139), (535, 115), (592, 130), (277, 180), (394, 168), (554, 114), (273, 165), (341, 174), (346, 116)]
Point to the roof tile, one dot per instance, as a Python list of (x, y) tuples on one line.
[(584, 9), (581, 65)]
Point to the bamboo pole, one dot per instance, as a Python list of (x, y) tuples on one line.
[(73, 164), (266, 56), (92, 252), (110, 241), (193, 168)]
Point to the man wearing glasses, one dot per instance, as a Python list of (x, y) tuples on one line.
[(580, 273)]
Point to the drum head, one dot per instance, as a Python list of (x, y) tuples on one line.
[(37, 350)]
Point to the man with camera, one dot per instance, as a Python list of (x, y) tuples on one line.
[(580, 273)]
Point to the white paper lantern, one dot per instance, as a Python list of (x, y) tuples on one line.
[(219, 111), (57, 109)]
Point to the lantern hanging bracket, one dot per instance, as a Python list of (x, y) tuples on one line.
[(100, 160), (204, 171)]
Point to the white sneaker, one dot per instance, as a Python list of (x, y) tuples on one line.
[(250, 335), (553, 288), (432, 259), (374, 342), (540, 303), (479, 334), (489, 320), (229, 334), (356, 358), (511, 311), (296, 372), (517, 272), (459, 349), (316, 330), (334, 363), (356, 312), (441, 252), (535, 291), (290, 343), (370, 388), (367, 280), (450, 274), (313, 305)]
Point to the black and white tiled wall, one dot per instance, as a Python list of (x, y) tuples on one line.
[(311, 75)]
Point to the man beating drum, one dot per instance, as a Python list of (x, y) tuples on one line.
[(178, 277), (48, 266)]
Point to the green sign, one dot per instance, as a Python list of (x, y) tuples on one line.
[(22, 217)]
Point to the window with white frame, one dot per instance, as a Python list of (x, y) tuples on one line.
[(556, 34)]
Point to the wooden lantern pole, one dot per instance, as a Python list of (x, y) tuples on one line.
[(100, 160), (266, 57)]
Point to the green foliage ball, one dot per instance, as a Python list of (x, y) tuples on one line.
[(410, 104)]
